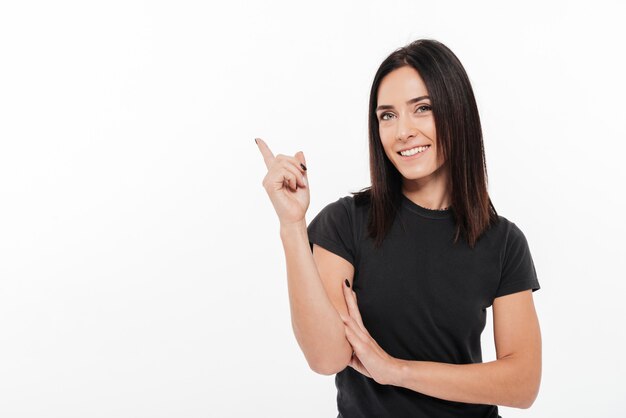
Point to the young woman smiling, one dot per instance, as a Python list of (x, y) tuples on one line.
[(389, 288)]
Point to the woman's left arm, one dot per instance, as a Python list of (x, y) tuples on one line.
[(512, 380)]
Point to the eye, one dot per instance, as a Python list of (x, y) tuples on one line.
[(382, 116), (419, 109)]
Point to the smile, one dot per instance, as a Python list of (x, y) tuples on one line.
[(414, 152)]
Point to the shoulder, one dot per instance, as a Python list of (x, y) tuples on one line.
[(342, 206), (350, 205), (347, 201), (504, 236), (346, 212), (511, 239), (504, 229), (340, 211), (516, 262), (510, 229)]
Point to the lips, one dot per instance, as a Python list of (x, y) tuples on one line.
[(414, 146), (414, 156)]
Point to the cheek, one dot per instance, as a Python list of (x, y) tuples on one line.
[(389, 150), (382, 132), (431, 130), (386, 140)]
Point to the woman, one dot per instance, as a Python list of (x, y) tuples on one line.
[(401, 274)]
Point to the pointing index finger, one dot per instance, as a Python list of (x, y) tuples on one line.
[(268, 156)]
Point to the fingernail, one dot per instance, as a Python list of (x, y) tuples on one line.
[(255, 141), (303, 166), (347, 283)]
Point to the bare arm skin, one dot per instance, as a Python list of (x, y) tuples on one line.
[(316, 300), (315, 279)]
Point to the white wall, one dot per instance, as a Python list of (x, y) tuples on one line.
[(141, 270)]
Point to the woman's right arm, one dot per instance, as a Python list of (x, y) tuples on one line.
[(314, 279), (316, 300)]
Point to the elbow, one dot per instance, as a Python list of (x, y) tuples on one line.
[(331, 368), (521, 402), (529, 400), (526, 404), (327, 370), (527, 383), (530, 395)]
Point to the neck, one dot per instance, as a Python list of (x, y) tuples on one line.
[(430, 192)]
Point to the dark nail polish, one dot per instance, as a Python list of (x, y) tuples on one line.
[(303, 166), (255, 141), (347, 283)]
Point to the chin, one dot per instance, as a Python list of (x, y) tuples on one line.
[(417, 173), (411, 176)]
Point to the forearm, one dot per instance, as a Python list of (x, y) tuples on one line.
[(316, 323), (501, 382)]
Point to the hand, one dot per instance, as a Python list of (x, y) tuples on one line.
[(284, 176), (368, 358)]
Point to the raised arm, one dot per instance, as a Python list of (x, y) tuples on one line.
[(314, 285)]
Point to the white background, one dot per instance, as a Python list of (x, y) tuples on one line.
[(141, 268)]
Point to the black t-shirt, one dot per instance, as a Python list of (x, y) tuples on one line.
[(421, 297)]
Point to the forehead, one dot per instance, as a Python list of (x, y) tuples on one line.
[(401, 85)]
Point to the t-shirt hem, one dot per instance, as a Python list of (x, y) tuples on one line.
[(518, 287), (332, 247)]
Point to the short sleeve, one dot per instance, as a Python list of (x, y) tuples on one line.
[(518, 269), (332, 229)]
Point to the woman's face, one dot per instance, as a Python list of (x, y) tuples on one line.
[(405, 121)]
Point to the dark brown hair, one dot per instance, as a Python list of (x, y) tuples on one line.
[(459, 139)]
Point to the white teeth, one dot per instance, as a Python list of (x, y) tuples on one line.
[(414, 151)]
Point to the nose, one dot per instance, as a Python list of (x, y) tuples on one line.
[(406, 130)]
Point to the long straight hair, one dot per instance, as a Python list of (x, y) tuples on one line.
[(459, 138)]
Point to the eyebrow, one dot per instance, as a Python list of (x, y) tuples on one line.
[(416, 99)]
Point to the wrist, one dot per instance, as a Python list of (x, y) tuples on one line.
[(289, 228), (398, 368)]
